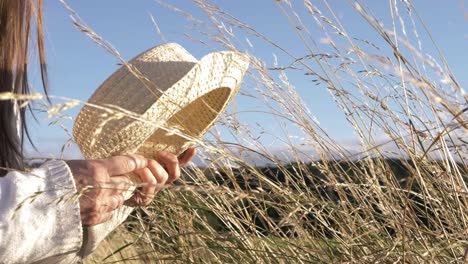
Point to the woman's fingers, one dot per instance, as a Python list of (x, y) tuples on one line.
[(121, 165), (185, 157), (151, 178), (145, 194), (170, 163), (157, 169)]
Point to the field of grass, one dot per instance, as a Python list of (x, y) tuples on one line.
[(402, 197)]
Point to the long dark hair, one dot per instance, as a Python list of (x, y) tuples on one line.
[(15, 28)]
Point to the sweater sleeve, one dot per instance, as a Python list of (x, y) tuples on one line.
[(40, 216)]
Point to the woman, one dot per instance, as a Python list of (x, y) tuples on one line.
[(40, 219)]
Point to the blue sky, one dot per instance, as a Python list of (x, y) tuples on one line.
[(77, 66)]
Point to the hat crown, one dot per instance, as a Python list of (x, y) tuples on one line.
[(166, 53), (150, 73)]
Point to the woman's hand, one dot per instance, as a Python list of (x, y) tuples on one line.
[(164, 169), (103, 182)]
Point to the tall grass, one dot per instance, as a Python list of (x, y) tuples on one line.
[(401, 197)]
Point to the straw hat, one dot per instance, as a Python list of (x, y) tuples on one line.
[(162, 100)]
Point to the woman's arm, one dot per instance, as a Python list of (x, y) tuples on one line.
[(39, 215)]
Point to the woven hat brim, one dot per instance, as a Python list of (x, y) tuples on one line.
[(191, 119)]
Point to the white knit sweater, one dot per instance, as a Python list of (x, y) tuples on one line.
[(40, 218)]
